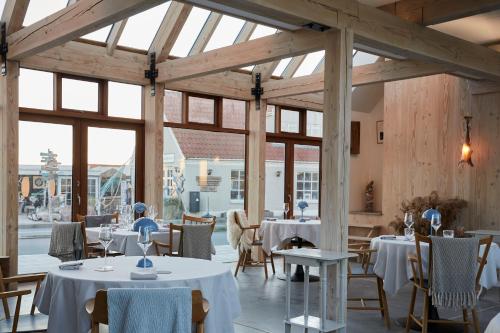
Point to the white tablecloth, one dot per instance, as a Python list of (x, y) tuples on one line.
[(392, 265), (494, 325), (275, 233), (125, 241), (64, 293)]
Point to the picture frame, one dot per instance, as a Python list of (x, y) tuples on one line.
[(380, 131)]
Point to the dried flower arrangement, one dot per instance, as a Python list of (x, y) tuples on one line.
[(449, 209)]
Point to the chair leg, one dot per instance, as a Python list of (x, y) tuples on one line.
[(6, 309), (466, 326), (380, 300), (244, 261), (265, 265), (238, 265), (475, 320), (272, 264), (16, 315), (425, 315), (383, 300), (95, 327), (412, 308)]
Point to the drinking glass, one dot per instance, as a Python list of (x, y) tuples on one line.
[(409, 233), (408, 219), (152, 212), (144, 240), (105, 238), (436, 222), (286, 208), (448, 233)]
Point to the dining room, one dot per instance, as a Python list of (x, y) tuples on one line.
[(249, 166)]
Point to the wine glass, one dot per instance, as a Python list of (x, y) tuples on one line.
[(144, 240), (286, 208), (152, 212), (436, 222), (105, 238), (408, 219)]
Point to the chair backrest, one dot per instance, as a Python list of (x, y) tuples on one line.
[(99, 313), (420, 265), (237, 218), (84, 236), (188, 219), (179, 227)]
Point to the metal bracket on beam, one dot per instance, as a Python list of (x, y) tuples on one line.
[(316, 27), (4, 48), (257, 91), (152, 72)]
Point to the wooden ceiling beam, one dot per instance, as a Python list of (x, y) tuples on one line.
[(169, 30), (377, 72), (376, 30), (246, 32), (253, 52), (206, 33), (13, 14), (306, 101), (114, 36), (76, 20), (429, 12)]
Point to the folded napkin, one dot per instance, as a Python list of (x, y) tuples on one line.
[(388, 237), (71, 265), (454, 268), (146, 275), (150, 310)]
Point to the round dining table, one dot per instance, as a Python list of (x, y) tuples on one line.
[(63, 293), (125, 241), (392, 265), (275, 233)]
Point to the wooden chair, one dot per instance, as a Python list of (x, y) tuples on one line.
[(11, 324), (97, 308), (424, 284), (362, 234), (364, 270), (94, 249), (243, 255), (186, 219)]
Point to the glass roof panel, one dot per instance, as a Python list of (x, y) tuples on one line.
[(100, 35), (281, 66), (2, 5), (39, 9), (310, 62), (190, 32), (262, 31), (363, 58), (141, 28), (226, 32)]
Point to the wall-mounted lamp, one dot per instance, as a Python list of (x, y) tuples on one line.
[(466, 148)]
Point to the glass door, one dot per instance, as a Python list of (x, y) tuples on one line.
[(306, 179), (275, 179)]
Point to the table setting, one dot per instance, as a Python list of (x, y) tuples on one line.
[(68, 286)]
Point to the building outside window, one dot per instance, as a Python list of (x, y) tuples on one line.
[(65, 189), (307, 186), (237, 185)]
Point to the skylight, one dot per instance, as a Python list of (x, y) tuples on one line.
[(190, 32), (262, 31), (226, 32), (39, 9), (100, 35), (281, 66), (309, 64), (2, 5), (141, 28), (363, 58)]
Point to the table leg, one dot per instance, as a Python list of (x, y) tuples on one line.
[(288, 326), (298, 276)]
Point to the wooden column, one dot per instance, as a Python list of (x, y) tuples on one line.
[(256, 162), (335, 158), (153, 153), (9, 124)]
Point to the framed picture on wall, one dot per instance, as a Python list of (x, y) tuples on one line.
[(380, 131)]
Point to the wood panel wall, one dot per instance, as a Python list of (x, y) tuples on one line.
[(423, 124)]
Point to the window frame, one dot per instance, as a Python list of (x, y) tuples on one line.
[(303, 190), (240, 190)]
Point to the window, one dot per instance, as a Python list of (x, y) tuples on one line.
[(234, 113), (80, 95), (141, 28), (124, 100), (281, 66), (169, 181), (36, 89), (39, 9), (262, 31), (65, 184), (270, 119), (226, 32), (237, 184), (201, 110), (100, 35), (310, 63), (314, 124), (290, 121), (307, 186), (172, 107), (190, 31)]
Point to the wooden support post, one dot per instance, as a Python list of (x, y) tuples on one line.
[(256, 162), (153, 162), (9, 124), (335, 160)]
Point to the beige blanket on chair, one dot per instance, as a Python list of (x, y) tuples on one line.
[(234, 231)]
